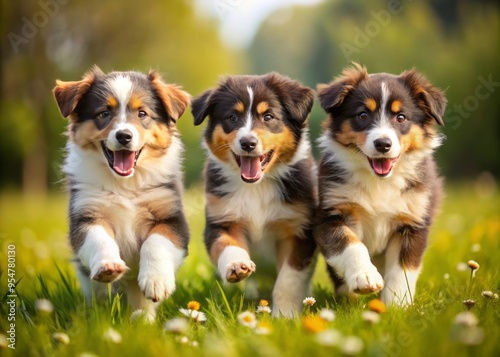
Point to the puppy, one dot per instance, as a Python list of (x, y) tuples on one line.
[(259, 180), (123, 163), (378, 184)]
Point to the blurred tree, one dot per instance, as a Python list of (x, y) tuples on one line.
[(48, 39), (459, 54)]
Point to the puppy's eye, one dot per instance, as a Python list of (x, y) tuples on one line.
[(142, 114), (105, 114), (232, 118), (268, 117), (363, 116), (401, 118)]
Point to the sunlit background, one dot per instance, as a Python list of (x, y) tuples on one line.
[(192, 43)]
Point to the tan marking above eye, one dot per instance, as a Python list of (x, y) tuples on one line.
[(396, 106), (135, 103), (262, 107), (371, 104), (112, 102), (240, 107)]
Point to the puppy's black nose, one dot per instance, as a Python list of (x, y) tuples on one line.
[(383, 145), (248, 143), (124, 136)]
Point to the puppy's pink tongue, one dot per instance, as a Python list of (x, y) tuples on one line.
[(381, 166), (250, 168), (124, 162)]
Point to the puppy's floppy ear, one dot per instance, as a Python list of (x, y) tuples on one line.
[(429, 98), (201, 107), (297, 98), (333, 94), (175, 100), (68, 94)]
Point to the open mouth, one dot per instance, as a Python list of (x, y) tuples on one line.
[(382, 166), (251, 167), (121, 161)]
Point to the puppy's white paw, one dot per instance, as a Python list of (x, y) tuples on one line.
[(239, 270), (156, 285), (366, 280), (108, 270)]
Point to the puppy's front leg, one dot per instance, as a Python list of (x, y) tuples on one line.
[(161, 255), (296, 263), (344, 252), (228, 251), (403, 259), (100, 254)]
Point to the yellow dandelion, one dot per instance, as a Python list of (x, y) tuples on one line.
[(313, 323), (193, 305), (263, 302), (377, 305)]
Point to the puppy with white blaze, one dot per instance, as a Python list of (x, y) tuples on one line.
[(379, 188), (123, 169), (260, 180)]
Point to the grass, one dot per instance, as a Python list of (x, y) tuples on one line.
[(468, 228)]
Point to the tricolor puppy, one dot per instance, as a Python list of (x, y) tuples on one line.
[(123, 163), (259, 180), (378, 184)]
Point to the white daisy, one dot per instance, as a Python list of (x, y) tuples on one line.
[(327, 314), (248, 319)]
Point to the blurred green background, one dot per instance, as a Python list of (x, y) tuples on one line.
[(455, 43)]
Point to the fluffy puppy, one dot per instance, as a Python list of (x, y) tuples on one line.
[(259, 180), (122, 166), (378, 184)]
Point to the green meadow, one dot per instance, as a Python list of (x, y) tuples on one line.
[(468, 228)]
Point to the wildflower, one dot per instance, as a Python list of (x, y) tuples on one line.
[(446, 276), (475, 248), (194, 343), (263, 329), (60, 337), (184, 340), (352, 345), (193, 305), (495, 296), (473, 264), (176, 325), (329, 337), (371, 317), (44, 306), (112, 335), (196, 316), (377, 305), (3, 341), (466, 318), (487, 294), (263, 302), (461, 266), (309, 301), (465, 329), (327, 314), (261, 309), (469, 303), (313, 323), (247, 319)]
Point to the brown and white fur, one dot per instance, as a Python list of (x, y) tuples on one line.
[(123, 169), (260, 180), (378, 184)]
